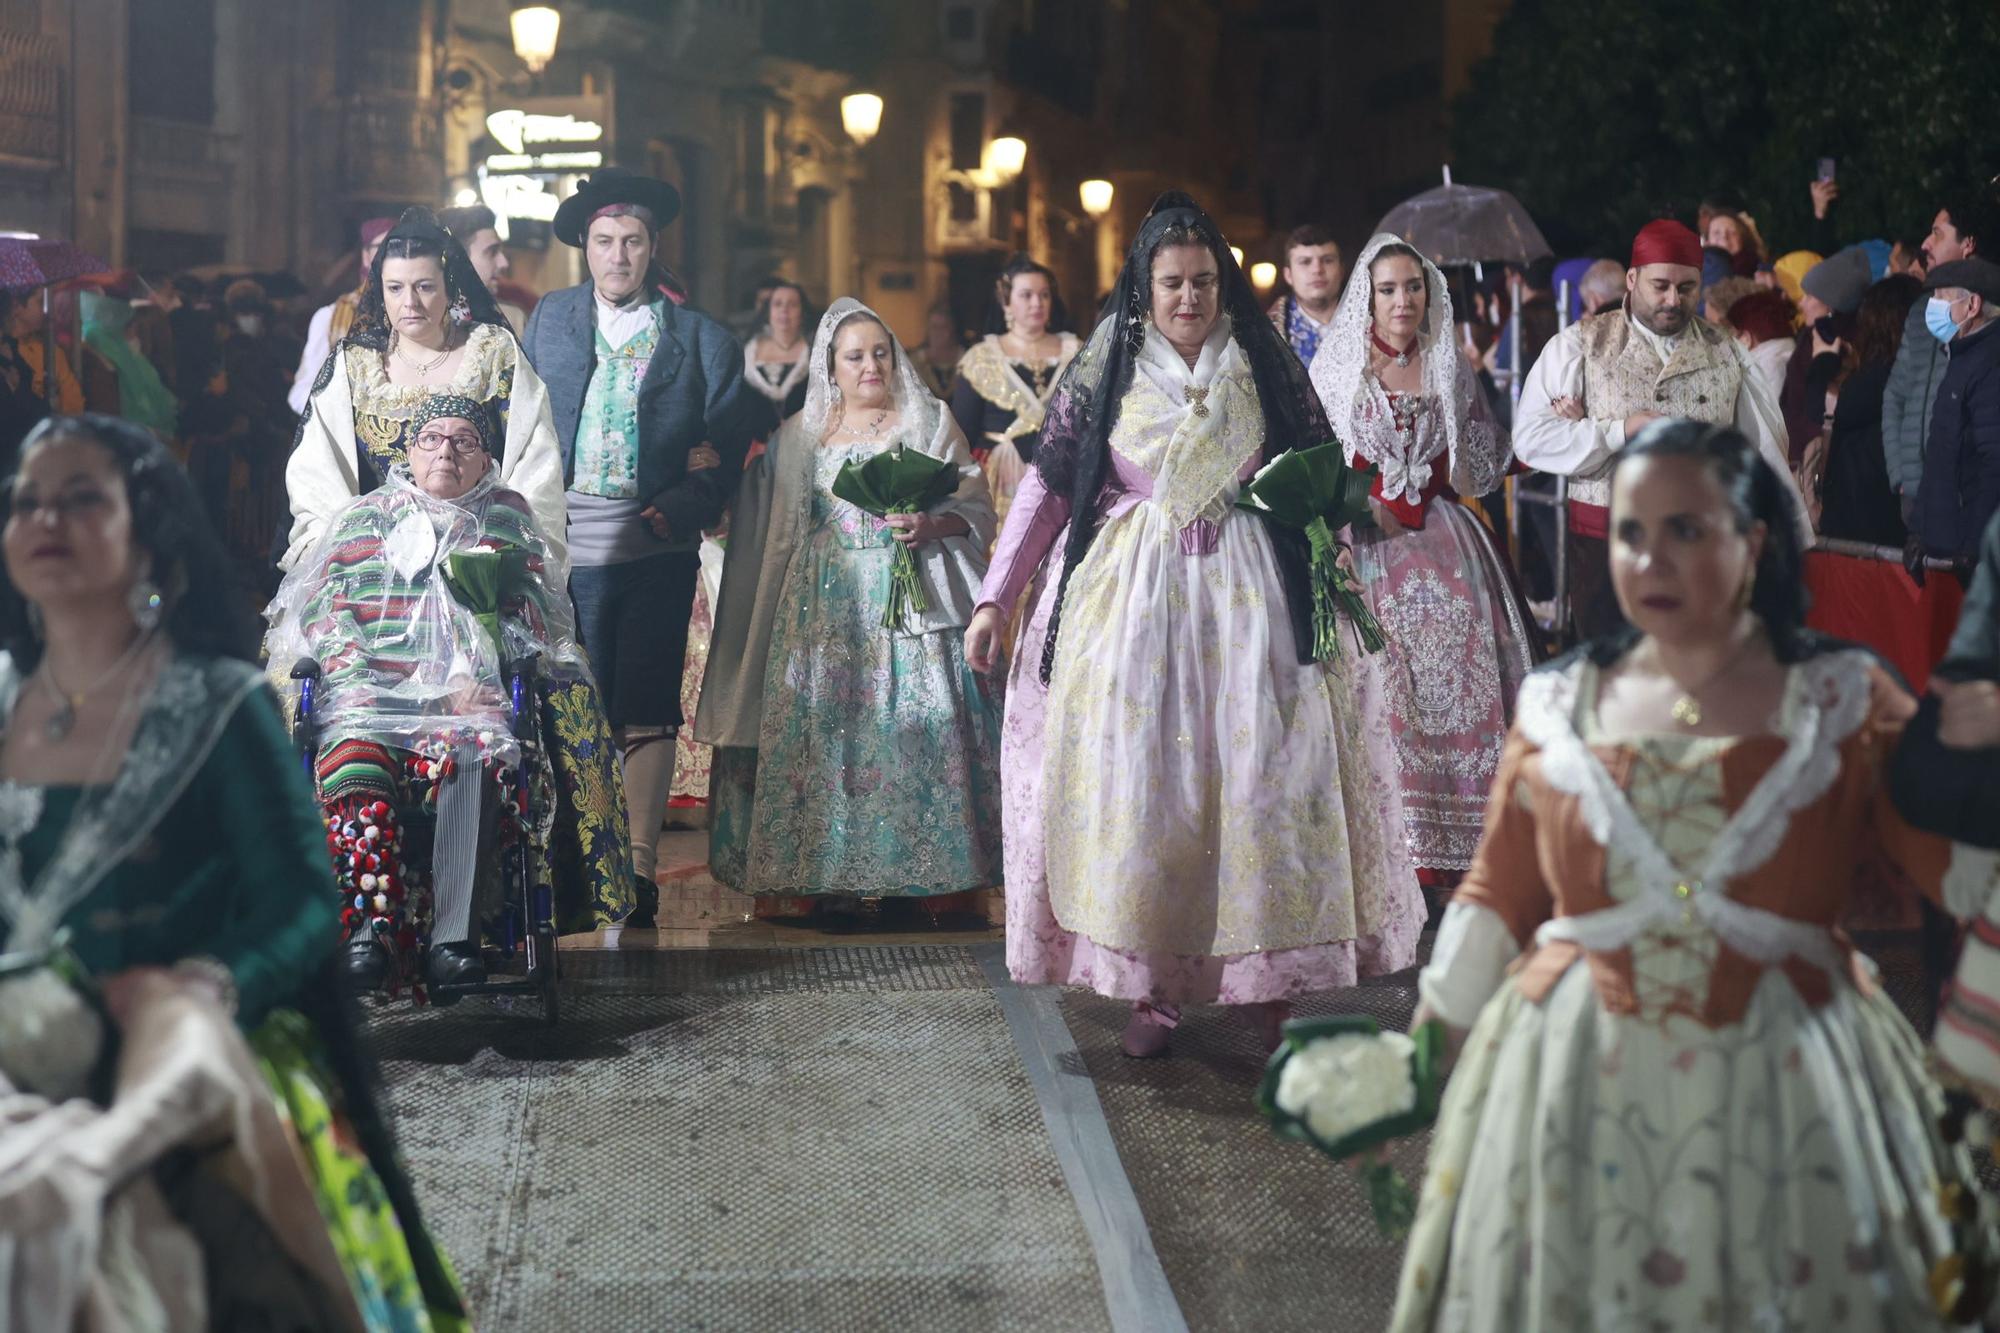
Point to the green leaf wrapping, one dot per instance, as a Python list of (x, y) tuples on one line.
[(482, 580), (1316, 491), (898, 481)]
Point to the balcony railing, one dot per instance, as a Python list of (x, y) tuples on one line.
[(31, 123)]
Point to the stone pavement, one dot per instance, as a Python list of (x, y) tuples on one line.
[(743, 1125)]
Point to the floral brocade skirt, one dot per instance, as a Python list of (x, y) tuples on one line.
[(1044, 948), (590, 849), (877, 771), (1605, 1171), (1458, 649), (379, 1257)]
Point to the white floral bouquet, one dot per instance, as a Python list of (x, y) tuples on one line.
[(1347, 1087)]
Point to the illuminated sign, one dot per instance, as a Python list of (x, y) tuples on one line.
[(544, 143), (519, 197), (516, 129)]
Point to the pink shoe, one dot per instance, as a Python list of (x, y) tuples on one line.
[(1147, 1034)]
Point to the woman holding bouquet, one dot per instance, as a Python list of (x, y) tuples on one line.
[(1197, 811), (855, 753), (1403, 401), (204, 1150), (1692, 1104)]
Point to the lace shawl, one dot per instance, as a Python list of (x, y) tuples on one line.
[(191, 706), (1458, 424)]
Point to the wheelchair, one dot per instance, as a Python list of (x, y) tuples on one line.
[(517, 932)]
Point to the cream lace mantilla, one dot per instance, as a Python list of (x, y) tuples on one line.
[(1829, 698)]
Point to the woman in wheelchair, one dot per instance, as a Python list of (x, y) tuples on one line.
[(414, 604)]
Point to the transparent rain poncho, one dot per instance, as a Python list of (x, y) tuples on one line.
[(404, 660)]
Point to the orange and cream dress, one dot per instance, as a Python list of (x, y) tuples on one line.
[(1691, 1103)]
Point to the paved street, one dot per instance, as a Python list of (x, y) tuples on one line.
[(755, 1126)]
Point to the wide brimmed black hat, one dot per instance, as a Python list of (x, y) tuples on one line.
[(614, 185)]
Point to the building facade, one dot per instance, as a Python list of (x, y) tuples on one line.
[(170, 134)]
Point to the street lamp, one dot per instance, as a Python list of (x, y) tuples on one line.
[(861, 117), (1263, 274), (1004, 157), (1096, 196), (535, 30)]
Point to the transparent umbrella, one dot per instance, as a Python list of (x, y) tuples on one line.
[(1467, 224)]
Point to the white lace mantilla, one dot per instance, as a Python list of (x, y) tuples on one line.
[(1829, 697)]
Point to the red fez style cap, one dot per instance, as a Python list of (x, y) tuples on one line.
[(1665, 241), (374, 229)]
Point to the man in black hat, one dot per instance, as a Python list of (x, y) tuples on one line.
[(654, 422), (1959, 490)]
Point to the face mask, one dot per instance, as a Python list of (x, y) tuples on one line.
[(1937, 318), (250, 324)]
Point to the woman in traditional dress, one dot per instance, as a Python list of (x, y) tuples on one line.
[(428, 326), (154, 822), (774, 360), (852, 758), (1403, 400), (775, 364), (1692, 1104), (1005, 379), (1197, 812)]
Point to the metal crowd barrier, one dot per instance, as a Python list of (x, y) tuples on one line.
[(1870, 551)]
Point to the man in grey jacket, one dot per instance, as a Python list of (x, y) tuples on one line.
[(1963, 227), (654, 423)]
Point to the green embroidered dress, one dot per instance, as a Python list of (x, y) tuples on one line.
[(209, 845)]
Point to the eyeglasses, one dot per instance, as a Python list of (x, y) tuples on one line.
[(435, 441)]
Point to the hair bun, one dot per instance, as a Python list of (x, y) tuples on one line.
[(1173, 199)]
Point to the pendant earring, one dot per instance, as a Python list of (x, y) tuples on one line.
[(35, 621), (1009, 317), (1749, 587), (146, 604)]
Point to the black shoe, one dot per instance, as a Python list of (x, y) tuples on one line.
[(368, 964), (454, 965), (645, 904)]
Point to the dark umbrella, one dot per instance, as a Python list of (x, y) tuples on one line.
[(26, 264)]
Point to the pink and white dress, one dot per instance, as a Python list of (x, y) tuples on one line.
[(1191, 816)]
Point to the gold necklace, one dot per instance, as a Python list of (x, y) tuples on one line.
[(421, 367), (1686, 710)]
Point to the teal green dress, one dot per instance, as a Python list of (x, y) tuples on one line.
[(235, 868), (877, 767)]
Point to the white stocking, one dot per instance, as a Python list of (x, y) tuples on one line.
[(648, 757)]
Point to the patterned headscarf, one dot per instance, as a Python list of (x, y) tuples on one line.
[(453, 405)]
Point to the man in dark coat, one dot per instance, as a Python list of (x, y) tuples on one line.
[(1959, 491), (654, 423)]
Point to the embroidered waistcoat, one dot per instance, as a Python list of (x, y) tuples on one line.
[(1622, 374)]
